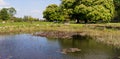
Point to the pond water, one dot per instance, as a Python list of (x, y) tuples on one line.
[(26, 46)]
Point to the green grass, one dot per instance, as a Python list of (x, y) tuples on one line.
[(101, 34)]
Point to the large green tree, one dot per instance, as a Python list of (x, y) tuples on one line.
[(89, 10), (52, 13), (4, 15), (7, 13)]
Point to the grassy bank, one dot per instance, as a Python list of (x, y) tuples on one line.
[(106, 33), (21, 27)]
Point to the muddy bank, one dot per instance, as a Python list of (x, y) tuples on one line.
[(61, 34)]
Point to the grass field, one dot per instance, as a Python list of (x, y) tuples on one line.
[(106, 33)]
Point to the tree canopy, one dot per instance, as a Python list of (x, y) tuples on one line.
[(52, 13), (82, 10), (89, 10), (7, 13), (4, 14)]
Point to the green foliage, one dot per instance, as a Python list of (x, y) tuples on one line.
[(17, 19), (52, 13), (4, 14), (29, 19), (89, 10), (68, 4), (7, 13), (117, 4), (117, 10), (84, 10)]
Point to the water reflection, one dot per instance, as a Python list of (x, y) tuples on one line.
[(26, 46)]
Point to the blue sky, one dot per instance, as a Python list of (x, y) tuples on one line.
[(32, 8)]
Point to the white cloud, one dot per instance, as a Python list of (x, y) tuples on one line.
[(2, 2), (35, 11)]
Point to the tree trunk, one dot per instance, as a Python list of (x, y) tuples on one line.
[(77, 21), (86, 21)]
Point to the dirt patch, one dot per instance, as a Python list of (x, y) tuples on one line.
[(60, 34)]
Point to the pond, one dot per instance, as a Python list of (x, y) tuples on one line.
[(27, 46)]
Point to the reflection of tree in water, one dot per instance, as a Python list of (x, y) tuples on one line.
[(78, 39), (76, 42), (116, 52), (90, 48)]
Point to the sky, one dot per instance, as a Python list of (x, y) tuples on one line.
[(32, 8)]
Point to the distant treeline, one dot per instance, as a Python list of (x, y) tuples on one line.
[(8, 14)]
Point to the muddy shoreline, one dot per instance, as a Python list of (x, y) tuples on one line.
[(97, 36), (61, 34)]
